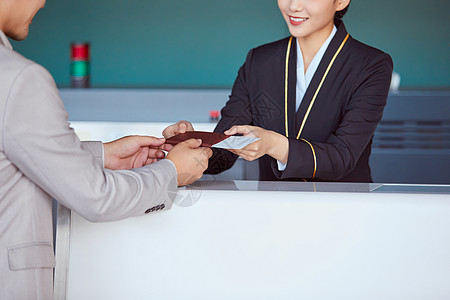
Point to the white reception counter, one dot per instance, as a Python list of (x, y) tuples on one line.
[(265, 240)]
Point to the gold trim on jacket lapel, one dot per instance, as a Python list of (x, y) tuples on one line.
[(313, 99), (286, 77), (317, 90), (320, 86)]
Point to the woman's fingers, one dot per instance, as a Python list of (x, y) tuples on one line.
[(239, 129), (249, 155)]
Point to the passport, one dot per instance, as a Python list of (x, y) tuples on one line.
[(208, 138), (213, 139)]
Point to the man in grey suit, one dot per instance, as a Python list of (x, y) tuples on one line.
[(41, 158)]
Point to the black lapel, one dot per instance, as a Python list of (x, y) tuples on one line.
[(317, 78), (292, 82)]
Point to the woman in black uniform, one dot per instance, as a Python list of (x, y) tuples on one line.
[(314, 99)]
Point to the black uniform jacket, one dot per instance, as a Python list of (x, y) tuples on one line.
[(338, 115)]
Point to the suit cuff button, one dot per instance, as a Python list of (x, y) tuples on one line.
[(150, 210)]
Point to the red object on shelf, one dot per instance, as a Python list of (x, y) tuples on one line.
[(80, 51), (214, 114)]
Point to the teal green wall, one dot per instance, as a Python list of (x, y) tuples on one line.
[(202, 43)]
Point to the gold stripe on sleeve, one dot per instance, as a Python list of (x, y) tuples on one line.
[(314, 156)]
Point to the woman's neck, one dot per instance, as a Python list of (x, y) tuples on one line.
[(311, 44)]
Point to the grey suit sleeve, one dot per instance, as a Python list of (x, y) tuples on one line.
[(40, 143), (96, 149)]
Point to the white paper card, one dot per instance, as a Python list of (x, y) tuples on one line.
[(235, 142)]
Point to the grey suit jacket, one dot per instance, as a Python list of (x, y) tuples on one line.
[(41, 158)]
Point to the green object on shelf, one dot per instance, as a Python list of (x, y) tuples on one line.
[(79, 68)]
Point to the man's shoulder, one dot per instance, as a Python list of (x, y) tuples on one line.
[(11, 60), (13, 65)]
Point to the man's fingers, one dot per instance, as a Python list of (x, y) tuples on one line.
[(156, 153), (191, 143), (184, 126), (149, 161), (149, 141), (140, 158), (177, 128), (160, 154), (166, 147), (207, 151), (170, 131)]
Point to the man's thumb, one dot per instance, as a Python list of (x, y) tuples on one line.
[(193, 143)]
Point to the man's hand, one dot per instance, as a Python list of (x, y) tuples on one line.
[(270, 143), (132, 152), (174, 129), (190, 159)]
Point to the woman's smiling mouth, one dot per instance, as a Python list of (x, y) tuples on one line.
[(297, 20)]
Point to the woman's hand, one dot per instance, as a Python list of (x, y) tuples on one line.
[(270, 143)]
